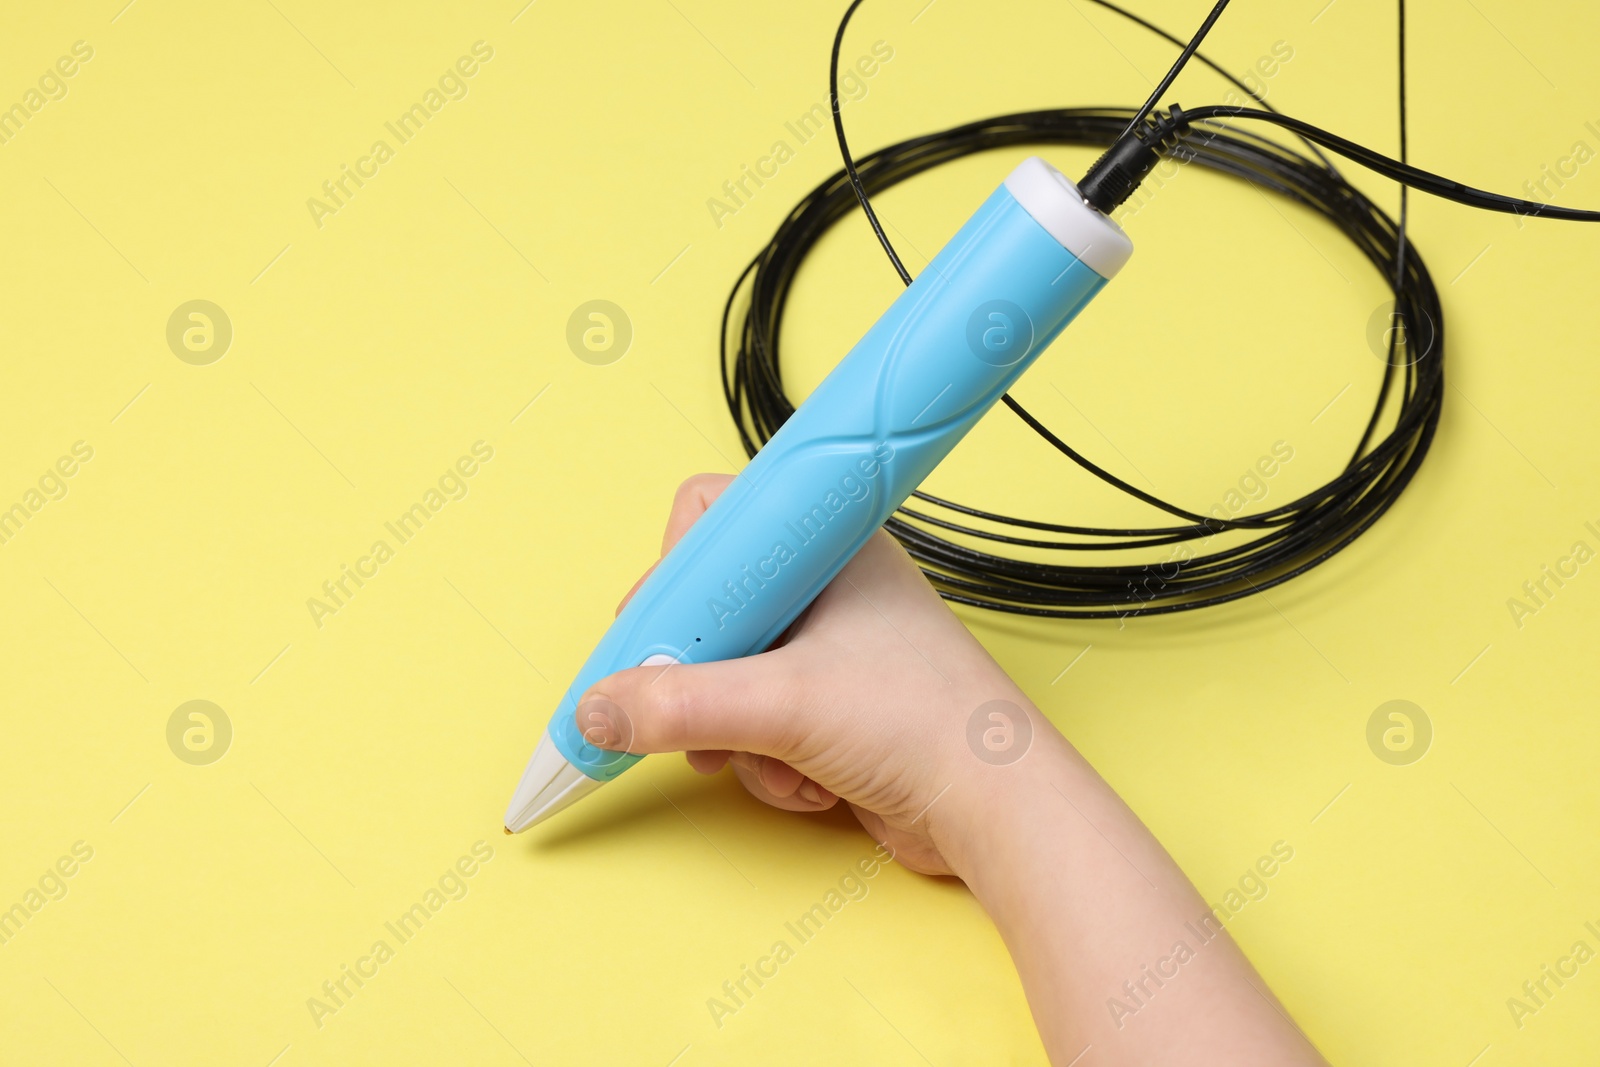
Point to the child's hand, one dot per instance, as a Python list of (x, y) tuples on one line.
[(879, 695), (866, 698)]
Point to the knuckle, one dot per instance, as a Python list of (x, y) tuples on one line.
[(692, 488), (685, 491), (706, 486)]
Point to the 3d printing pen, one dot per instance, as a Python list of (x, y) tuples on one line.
[(949, 346)]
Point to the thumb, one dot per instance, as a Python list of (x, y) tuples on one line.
[(744, 705)]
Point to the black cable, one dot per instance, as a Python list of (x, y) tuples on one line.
[(844, 148), (1398, 323), (1285, 541), (1416, 178), (1178, 64)]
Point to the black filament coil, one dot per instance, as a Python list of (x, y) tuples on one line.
[(1283, 542)]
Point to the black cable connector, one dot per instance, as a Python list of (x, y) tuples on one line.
[(1130, 159)]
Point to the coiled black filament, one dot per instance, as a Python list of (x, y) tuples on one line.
[(1284, 542), (1275, 545)]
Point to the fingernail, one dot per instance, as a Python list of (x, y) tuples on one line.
[(594, 720), (808, 789)]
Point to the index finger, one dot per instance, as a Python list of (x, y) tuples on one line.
[(694, 496)]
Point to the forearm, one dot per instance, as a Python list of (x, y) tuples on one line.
[(1115, 948)]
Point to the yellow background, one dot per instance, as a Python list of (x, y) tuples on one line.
[(369, 754)]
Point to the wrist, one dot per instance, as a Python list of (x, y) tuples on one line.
[(1008, 805)]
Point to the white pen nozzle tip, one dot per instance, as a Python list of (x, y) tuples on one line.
[(549, 784)]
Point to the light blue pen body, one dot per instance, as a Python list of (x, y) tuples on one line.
[(948, 347)]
